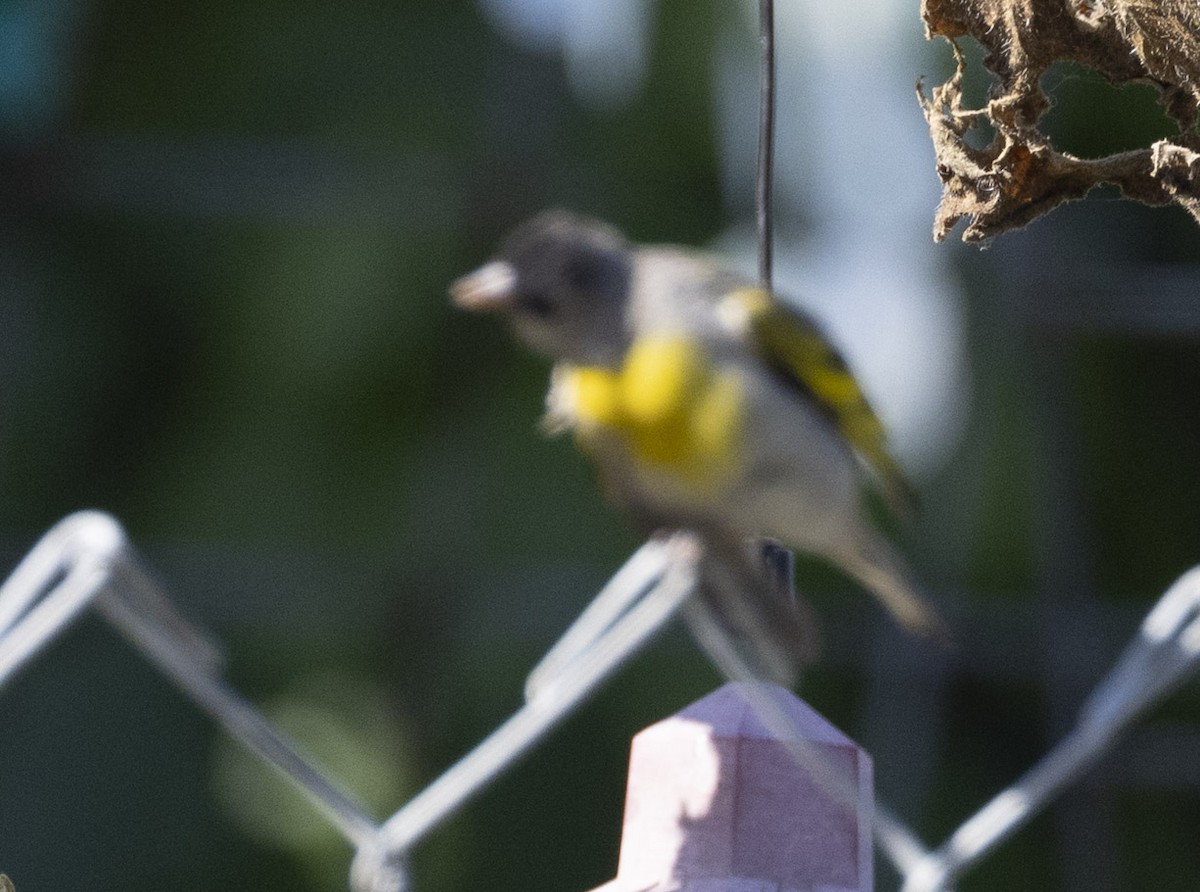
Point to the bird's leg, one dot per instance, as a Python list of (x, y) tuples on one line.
[(779, 562)]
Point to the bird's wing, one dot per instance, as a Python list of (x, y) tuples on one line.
[(795, 347)]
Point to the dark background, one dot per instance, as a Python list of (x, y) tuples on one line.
[(226, 231)]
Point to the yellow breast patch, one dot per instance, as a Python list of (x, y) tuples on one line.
[(669, 406)]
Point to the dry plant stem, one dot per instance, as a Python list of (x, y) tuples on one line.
[(1020, 175)]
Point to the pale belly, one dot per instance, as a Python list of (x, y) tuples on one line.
[(764, 464)]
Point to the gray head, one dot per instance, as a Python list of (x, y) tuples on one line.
[(562, 281)]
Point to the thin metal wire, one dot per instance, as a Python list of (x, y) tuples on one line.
[(897, 842), (766, 143), (554, 699), (658, 581), (1165, 652), (86, 559), (53, 585), (627, 585), (240, 718)]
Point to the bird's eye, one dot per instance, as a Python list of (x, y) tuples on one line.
[(538, 304), (582, 273)]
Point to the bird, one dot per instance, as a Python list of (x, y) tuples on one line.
[(704, 400)]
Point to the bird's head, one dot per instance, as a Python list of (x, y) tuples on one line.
[(562, 281)]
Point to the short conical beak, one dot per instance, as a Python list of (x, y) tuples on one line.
[(491, 288)]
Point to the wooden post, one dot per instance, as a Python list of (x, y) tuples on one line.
[(717, 802)]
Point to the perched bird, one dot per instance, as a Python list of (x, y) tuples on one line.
[(705, 402)]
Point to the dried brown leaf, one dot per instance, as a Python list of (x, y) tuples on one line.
[(1020, 175)]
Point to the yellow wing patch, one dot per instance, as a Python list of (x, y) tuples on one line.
[(667, 404), (797, 349)]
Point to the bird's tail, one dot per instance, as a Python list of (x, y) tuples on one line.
[(876, 564)]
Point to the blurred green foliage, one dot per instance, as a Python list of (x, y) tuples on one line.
[(224, 320)]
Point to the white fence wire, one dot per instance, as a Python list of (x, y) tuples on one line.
[(86, 560)]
